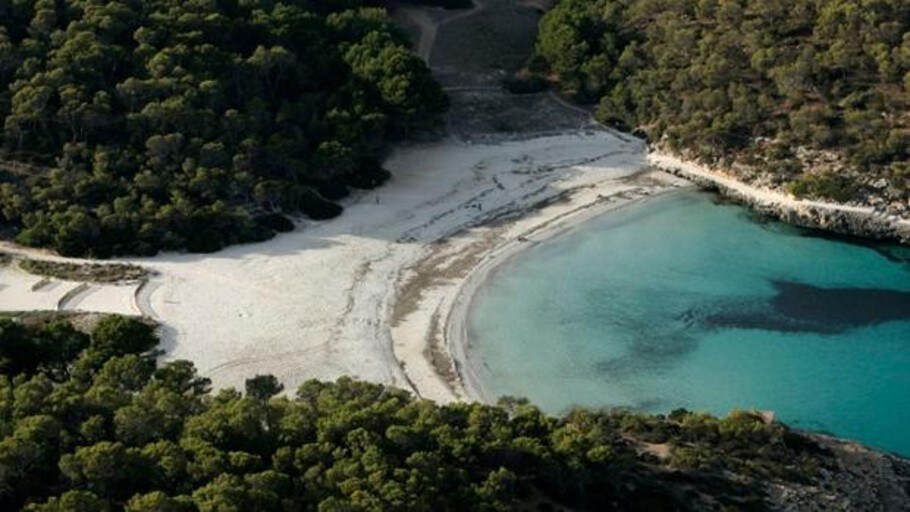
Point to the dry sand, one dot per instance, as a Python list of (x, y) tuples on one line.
[(370, 294), (382, 292), (319, 302), (423, 23)]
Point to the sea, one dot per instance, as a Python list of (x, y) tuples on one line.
[(684, 301)]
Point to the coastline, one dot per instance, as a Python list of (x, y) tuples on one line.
[(451, 302), (383, 292), (331, 298), (837, 218)]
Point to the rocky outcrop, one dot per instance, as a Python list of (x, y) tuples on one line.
[(858, 478), (868, 225), (862, 221), (872, 225)]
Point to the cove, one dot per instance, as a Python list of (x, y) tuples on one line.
[(681, 302)]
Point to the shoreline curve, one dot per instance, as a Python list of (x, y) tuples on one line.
[(457, 338), (438, 323)]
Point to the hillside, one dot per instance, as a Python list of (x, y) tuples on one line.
[(810, 97)]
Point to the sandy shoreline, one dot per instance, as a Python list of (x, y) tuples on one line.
[(381, 293), (462, 295), (432, 297), (368, 294)]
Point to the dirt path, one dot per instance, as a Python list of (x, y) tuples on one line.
[(427, 22)]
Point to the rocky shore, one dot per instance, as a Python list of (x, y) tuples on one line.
[(857, 478), (842, 219)]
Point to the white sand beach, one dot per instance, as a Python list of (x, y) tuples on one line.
[(319, 302), (382, 292), (369, 294)]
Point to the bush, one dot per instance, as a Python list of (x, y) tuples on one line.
[(369, 178), (317, 208), (333, 190), (276, 222), (204, 242), (119, 335), (823, 186)]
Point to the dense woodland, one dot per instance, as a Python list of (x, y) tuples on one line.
[(141, 125), (89, 422), (815, 93)]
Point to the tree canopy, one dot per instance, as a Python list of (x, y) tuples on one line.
[(91, 422), (815, 93), (136, 126)]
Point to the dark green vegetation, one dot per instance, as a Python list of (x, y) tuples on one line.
[(749, 82), (135, 126), (89, 422)]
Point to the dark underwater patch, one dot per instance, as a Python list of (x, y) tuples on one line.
[(798, 307), (649, 351)]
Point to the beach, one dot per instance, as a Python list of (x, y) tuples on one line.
[(352, 295), (319, 302), (382, 292)]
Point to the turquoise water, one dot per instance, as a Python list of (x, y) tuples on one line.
[(679, 302)]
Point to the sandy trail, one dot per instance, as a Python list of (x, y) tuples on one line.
[(426, 27), (428, 21)]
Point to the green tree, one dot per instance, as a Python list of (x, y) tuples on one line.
[(82, 501), (263, 387), (120, 335)]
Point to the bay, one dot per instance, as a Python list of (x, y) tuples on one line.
[(681, 302)]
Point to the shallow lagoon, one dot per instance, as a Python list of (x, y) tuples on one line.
[(680, 302)]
